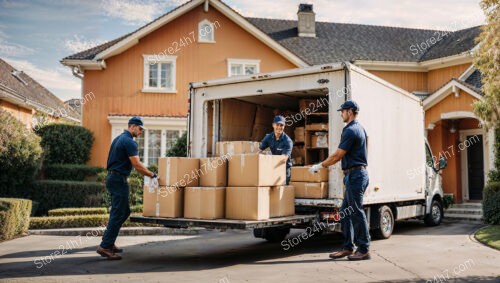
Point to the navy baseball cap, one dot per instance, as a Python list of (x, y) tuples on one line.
[(279, 120), (136, 121), (349, 104)]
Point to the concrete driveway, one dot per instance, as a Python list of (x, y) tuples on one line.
[(415, 253)]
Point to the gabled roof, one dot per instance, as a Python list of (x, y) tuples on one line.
[(29, 92), (453, 43)]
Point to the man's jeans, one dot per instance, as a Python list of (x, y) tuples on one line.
[(288, 175), (353, 218), (120, 210)]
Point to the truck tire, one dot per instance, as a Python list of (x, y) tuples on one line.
[(436, 216), (272, 234), (385, 223)]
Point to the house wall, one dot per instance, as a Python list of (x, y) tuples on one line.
[(20, 113), (117, 89), (409, 81), (439, 77), (449, 104)]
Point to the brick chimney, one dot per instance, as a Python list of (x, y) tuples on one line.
[(307, 21)]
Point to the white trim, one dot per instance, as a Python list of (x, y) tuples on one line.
[(464, 161), (244, 63), (206, 22), (467, 73), (424, 66), (168, 59), (446, 90), (85, 64), (458, 115)]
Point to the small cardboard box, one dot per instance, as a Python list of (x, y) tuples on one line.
[(163, 202), (310, 190), (236, 147), (256, 170), (213, 172), (302, 174), (299, 151), (282, 201), (299, 134), (247, 203), (204, 202), (319, 141), (178, 171), (317, 127)]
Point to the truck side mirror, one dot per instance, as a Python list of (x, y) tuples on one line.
[(442, 163)]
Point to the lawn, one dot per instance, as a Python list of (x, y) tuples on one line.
[(490, 236)]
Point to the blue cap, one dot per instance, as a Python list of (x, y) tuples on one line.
[(279, 120), (349, 104), (136, 121)]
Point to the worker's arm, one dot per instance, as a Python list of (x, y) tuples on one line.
[(334, 158), (139, 167), (263, 145)]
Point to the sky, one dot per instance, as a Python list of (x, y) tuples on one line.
[(35, 35)]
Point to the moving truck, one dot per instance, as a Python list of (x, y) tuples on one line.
[(404, 175)]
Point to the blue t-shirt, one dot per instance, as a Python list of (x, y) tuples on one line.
[(353, 140), (122, 147), (282, 146)]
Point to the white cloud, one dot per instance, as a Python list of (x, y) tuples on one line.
[(136, 12), (10, 49), (79, 43), (52, 79)]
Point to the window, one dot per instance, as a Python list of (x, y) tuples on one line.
[(238, 67), (172, 137), (154, 146), (206, 31), (155, 143), (159, 73), (140, 144)]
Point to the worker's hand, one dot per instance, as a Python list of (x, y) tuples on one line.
[(315, 168), (153, 181)]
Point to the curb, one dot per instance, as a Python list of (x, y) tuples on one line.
[(125, 231)]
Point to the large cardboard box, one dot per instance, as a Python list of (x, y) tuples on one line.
[(204, 202), (247, 203), (282, 201), (302, 174), (319, 140), (256, 170), (317, 127), (299, 134), (213, 172), (163, 201), (236, 147), (179, 171), (310, 190)]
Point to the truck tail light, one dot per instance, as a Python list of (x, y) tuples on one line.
[(330, 215)]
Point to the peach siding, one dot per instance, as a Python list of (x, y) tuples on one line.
[(22, 114), (409, 81), (439, 77)]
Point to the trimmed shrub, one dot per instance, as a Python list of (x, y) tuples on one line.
[(491, 203), (71, 172), (99, 220), (65, 143), (52, 194), (136, 208), (14, 217), (20, 156), (77, 211), (179, 149)]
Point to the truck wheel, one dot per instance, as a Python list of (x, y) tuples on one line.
[(385, 223), (434, 218), (272, 234)]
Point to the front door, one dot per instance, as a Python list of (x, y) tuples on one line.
[(475, 167)]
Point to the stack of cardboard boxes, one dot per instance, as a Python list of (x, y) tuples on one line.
[(309, 185)]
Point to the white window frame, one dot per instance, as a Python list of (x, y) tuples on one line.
[(244, 62), (200, 25), (159, 58)]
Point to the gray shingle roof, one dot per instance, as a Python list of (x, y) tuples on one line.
[(475, 80), (453, 43)]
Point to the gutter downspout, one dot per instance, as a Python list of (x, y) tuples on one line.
[(190, 107), (346, 71)]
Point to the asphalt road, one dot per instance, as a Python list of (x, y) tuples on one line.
[(415, 253)]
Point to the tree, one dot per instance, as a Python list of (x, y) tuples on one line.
[(179, 149)]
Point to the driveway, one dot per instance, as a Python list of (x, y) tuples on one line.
[(415, 253)]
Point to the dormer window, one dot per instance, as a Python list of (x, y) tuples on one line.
[(206, 31)]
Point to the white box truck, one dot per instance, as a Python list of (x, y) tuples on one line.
[(404, 177)]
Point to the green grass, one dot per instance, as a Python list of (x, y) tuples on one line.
[(489, 236)]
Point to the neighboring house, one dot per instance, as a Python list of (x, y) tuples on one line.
[(30, 102), (76, 104), (147, 72)]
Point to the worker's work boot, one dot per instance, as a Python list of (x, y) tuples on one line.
[(359, 256), (117, 249), (340, 254), (108, 253)]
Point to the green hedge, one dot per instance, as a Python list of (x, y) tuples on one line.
[(77, 211), (71, 172), (52, 194), (491, 203), (55, 222), (14, 217), (65, 143)]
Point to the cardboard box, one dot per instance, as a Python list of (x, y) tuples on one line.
[(299, 151), (213, 172), (236, 147), (179, 171), (163, 201), (247, 203), (319, 141), (310, 190), (299, 134), (204, 202), (317, 127), (282, 201), (302, 174), (256, 170)]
